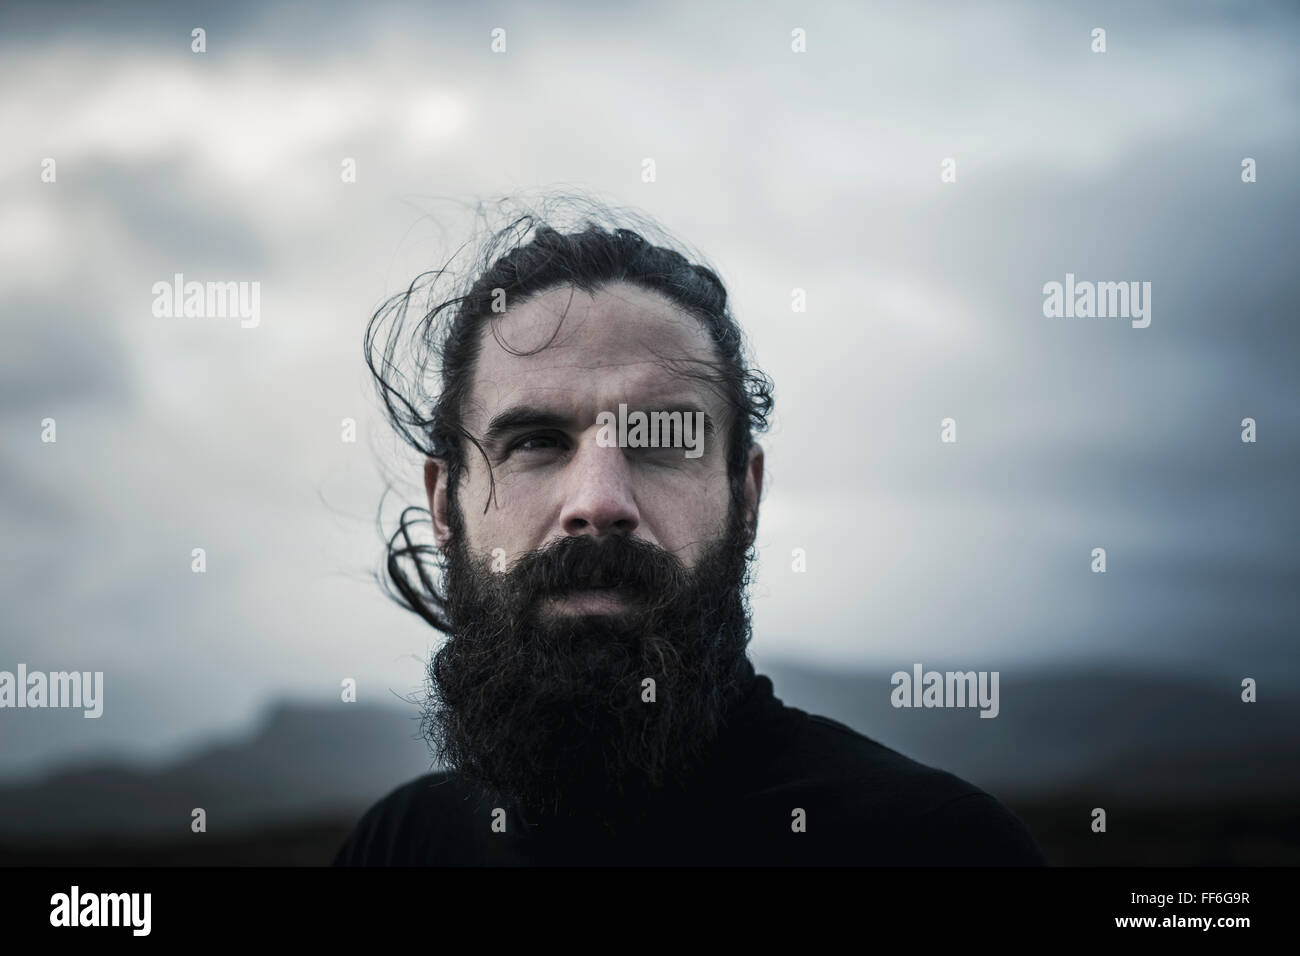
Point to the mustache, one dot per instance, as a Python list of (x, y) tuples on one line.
[(585, 561)]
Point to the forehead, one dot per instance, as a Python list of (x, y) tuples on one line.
[(589, 352)]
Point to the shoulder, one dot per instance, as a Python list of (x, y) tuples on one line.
[(888, 808), (976, 830), (408, 827)]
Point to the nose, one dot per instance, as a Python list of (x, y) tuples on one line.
[(598, 492)]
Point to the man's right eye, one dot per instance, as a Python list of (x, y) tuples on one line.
[(536, 442)]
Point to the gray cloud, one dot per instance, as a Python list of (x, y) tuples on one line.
[(818, 172)]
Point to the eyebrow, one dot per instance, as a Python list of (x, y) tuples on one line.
[(521, 417)]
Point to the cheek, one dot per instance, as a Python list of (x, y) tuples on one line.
[(686, 522), (512, 521), (493, 530)]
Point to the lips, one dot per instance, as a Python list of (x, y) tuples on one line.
[(597, 582)]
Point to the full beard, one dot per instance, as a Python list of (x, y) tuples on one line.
[(554, 711)]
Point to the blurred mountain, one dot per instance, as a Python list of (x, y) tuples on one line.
[(1077, 736), (1130, 734), (304, 761)]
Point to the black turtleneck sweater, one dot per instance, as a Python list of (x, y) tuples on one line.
[(862, 805)]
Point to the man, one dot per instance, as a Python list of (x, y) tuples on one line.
[(593, 702)]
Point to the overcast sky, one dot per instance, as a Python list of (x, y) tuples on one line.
[(817, 170)]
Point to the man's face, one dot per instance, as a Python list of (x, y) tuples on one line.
[(594, 568), (536, 415)]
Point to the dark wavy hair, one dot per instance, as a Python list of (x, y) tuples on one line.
[(563, 240)]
